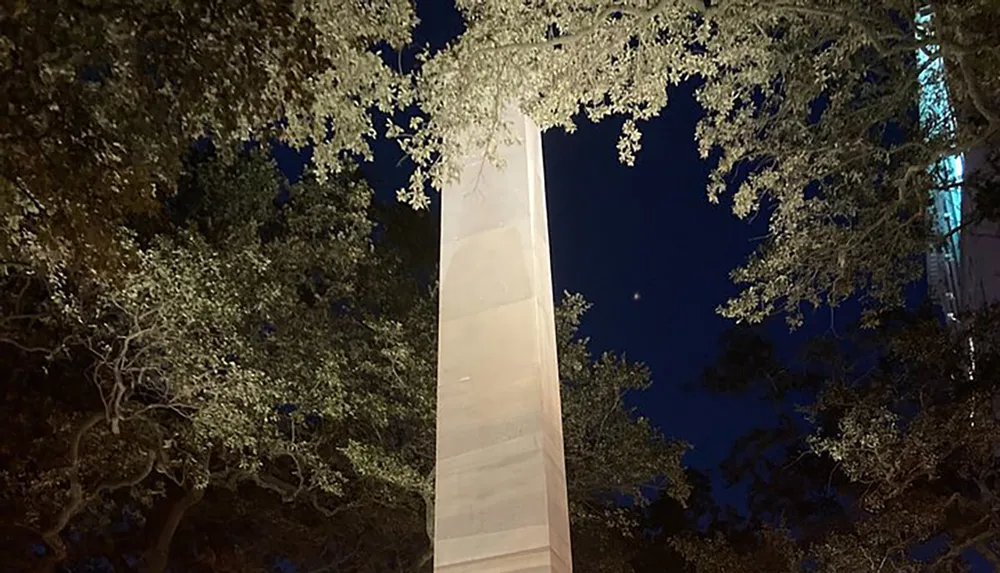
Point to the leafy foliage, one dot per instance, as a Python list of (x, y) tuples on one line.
[(808, 110), (104, 97), (203, 339), (894, 466), (812, 117), (267, 355)]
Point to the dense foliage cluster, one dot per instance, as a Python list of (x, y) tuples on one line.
[(102, 99), (809, 110), (266, 338), (892, 468), (815, 102)]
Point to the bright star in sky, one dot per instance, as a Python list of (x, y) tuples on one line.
[(636, 295)]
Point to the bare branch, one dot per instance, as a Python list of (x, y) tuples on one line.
[(979, 99), (314, 501), (867, 27), (76, 497), (157, 556), (599, 18), (958, 548)]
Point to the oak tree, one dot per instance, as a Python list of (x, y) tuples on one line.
[(270, 359)]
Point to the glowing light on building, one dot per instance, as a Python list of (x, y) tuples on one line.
[(937, 118)]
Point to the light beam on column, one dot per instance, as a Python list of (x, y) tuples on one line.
[(937, 117), (500, 484)]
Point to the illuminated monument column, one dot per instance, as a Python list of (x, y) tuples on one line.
[(500, 503)]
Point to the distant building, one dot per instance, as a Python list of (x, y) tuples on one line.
[(963, 274), (980, 248)]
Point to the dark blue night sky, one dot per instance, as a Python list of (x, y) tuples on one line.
[(650, 229)]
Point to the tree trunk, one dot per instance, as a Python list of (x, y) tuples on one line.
[(158, 555), (428, 497)]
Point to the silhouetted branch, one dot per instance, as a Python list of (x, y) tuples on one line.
[(158, 556)]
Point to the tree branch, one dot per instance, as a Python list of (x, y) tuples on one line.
[(976, 95), (427, 494), (988, 554), (130, 481), (314, 500), (866, 27), (158, 555), (600, 18), (51, 536), (957, 549), (78, 500)]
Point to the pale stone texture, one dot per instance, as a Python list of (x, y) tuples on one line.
[(500, 504)]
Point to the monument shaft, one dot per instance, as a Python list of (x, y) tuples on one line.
[(500, 489)]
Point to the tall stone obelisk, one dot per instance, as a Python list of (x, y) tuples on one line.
[(500, 503)]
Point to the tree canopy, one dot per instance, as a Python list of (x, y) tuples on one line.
[(194, 348), (891, 466), (266, 340), (809, 110)]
